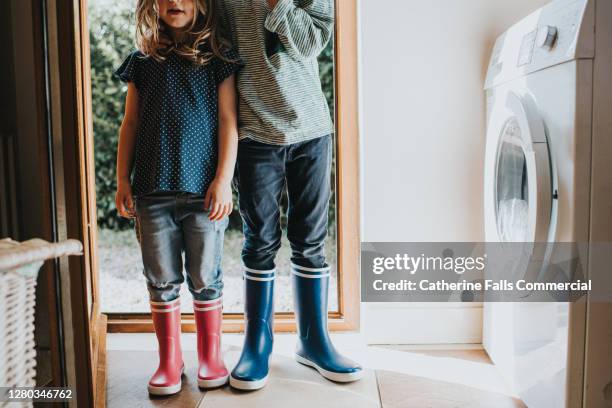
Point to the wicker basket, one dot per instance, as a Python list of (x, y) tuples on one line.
[(19, 265)]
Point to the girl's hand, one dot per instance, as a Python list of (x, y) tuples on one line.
[(124, 200), (218, 199)]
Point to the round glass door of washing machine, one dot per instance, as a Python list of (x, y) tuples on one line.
[(523, 195), (512, 198)]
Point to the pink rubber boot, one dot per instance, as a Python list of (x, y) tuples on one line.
[(209, 316), (167, 323)]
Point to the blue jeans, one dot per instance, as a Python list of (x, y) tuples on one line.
[(262, 172), (169, 224)]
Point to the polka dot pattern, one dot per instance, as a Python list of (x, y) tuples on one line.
[(176, 140)]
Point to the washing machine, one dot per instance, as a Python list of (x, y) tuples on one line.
[(548, 179)]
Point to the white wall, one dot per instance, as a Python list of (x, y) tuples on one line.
[(423, 64)]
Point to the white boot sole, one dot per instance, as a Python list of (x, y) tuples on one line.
[(169, 390), (248, 385), (330, 375), (217, 382), (172, 389)]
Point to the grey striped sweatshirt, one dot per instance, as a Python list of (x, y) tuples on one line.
[(280, 97)]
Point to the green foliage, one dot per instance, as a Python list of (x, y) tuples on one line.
[(326, 73), (111, 40)]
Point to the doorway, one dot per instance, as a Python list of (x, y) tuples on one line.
[(118, 269)]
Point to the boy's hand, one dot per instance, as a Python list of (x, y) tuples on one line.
[(124, 200), (218, 199), (272, 3)]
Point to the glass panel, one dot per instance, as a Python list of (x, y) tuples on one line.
[(122, 285), (512, 188)]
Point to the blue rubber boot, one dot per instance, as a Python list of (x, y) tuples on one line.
[(315, 348), (251, 372)]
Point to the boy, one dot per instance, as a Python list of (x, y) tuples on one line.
[(285, 133)]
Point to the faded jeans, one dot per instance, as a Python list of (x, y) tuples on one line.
[(168, 225)]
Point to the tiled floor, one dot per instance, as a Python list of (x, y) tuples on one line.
[(398, 377), (296, 386), (127, 376)]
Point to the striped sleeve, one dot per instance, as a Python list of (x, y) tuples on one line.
[(304, 29)]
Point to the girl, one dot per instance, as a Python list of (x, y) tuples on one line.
[(178, 142)]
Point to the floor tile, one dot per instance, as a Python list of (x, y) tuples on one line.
[(296, 386), (129, 372), (401, 390)]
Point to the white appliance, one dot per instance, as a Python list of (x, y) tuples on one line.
[(548, 178)]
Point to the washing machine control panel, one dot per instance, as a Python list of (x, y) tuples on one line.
[(547, 36), (559, 32), (525, 56), (544, 37)]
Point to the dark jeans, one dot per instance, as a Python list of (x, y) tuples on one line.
[(263, 171)]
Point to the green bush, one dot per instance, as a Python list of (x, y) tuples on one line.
[(326, 73), (111, 40)]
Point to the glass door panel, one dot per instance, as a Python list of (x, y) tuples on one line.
[(122, 284)]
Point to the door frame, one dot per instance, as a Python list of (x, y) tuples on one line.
[(347, 191), (73, 190)]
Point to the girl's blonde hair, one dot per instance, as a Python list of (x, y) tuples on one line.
[(150, 30)]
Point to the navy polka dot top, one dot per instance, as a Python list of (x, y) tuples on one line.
[(176, 140)]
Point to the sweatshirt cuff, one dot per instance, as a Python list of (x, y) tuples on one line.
[(277, 15)]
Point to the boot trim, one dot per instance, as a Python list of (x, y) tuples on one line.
[(304, 275), (165, 310), (206, 309), (271, 278), (248, 274), (305, 269)]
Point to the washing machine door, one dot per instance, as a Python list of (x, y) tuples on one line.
[(518, 200), (518, 182)]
